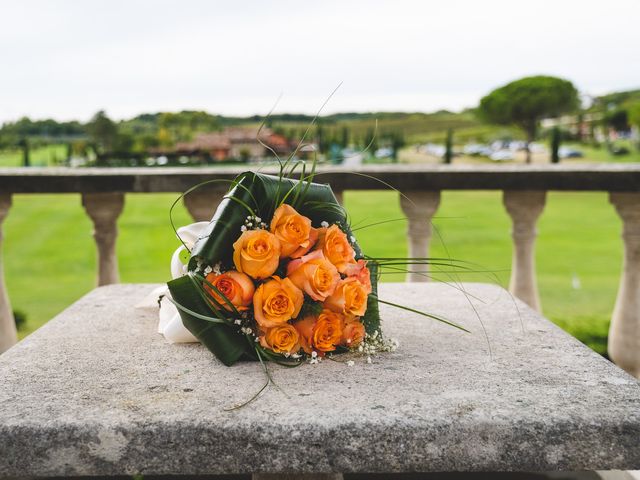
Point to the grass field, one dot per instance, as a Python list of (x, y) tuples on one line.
[(45, 156), (50, 256)]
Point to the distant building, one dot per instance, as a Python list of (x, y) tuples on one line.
[(587, 126), (237, 143)]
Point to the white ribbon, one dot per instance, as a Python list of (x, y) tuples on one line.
[(170, 324)]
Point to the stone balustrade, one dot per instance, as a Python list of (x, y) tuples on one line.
[(524, 192)]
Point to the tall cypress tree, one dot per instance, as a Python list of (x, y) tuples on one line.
[(448, 153)]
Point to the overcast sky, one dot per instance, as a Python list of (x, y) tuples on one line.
[(67, 59)]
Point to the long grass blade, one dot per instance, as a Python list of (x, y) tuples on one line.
[(425, 314)]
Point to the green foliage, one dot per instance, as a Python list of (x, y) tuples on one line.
[(555, 144), (20, 318), (11, 132), (102, 131), (616, 99), (344, 136), (371, 140), (310, 308), (448, 154), (183, 125), (321, 138), (26, 158), (617, 119), (634, 114), (526, 101), (397, 142)]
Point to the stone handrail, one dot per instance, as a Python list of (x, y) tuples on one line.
[(524, 192)]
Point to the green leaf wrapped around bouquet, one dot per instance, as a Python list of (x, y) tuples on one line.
[(257, 195), (222, 339)]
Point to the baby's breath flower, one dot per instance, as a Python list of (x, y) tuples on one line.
[(351, 363), (376, 343), (243, 228), (324, 224), (253, 223)]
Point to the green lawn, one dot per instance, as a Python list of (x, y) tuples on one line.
[(602, 154), (50, 256), (45, 156)]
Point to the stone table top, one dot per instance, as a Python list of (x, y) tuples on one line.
[(97, 391)]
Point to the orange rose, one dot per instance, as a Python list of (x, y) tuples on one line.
[(350, 298), (281, 339), (314, 274), (293, 231), (336, 247), (276, 301), (235, 286), (304, 328), (360, 271), (352, 333), (327, 332), (257, 253)]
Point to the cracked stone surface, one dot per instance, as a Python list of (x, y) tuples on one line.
[(97, 391)]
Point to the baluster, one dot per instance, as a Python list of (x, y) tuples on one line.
[(104, 210), (524, 208), (624, 331), (8, 333), (202, 204), (419, 208)]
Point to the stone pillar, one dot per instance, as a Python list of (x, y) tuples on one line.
[(624, 331), (104, 210), (297, 476), (419, 208), (8, 333), (202, 204), (524, 208)]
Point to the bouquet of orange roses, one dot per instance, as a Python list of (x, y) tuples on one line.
[(278, 275)]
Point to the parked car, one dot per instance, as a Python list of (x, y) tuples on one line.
[(568, 152), (433, 149), (502, 156), (384, 152), (477, 149)]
